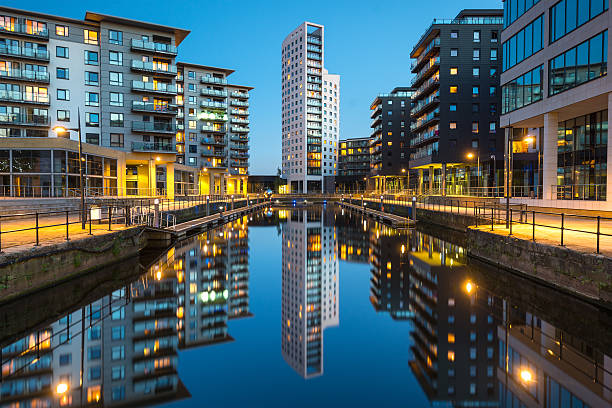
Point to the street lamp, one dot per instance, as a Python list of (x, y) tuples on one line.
[(471, 156), (60, 130)]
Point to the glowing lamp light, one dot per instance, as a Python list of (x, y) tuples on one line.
[(157, 158), (526, 375), (60, 130), (226, 293), (470, 155), (469, 287), (529, 139), (204, 296), (61, 388), (212, 296)]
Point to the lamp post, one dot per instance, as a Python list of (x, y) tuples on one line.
[(59, 130), (494, 174), (471, 156)]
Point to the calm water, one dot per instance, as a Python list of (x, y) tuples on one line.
[(306, 307)]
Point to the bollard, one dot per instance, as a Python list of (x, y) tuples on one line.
[(207, 205), (510, 222), (67, 234), (598, 229), (37, 229), (533, 226), (110, 216), (89, 220), (562, 226)]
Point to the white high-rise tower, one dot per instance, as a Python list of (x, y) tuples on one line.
[(310, 112)]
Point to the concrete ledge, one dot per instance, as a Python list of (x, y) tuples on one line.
[(34, 268), (587, 275)]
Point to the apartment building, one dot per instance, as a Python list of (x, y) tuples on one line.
[(390, 140), (556, 95), (310, 288), (457, 143), (118, 81), (310, 112), (353, 164)]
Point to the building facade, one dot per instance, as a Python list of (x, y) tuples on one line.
[(456, 141), (390, 140), (310, 112), (556, 94), (119, 82), (353, 164)]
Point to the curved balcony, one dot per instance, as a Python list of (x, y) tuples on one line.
[(213, 105), (239, 146), (153, 127), (376, 120), (423, 138), (428, 86), (240, 129), (213, 92), (425, 104), (377, 129), (240, 112), (150, 107), (432, 47), (153, 67), (430, 119), (212, 141), (238, 94), (154, 87), (434, 65), (235, 102), (240, 120), (213, 129), (154, 47), (213, 80), (239, 138)]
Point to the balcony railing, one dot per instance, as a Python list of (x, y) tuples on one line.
[(216, 129), (240, 120), (241, 112), (24, 119), (213, 80), (158, 87), (213, 141), (25, 29), (154, 108), (314, 40), (237, 94), (25, 97), (151, 46), (30, 53), (153, 127), (239, 146), (25, 75), (153, 147), (240, 129), (213, 105), (314, 48), (435, 43), (235, 102), (239, 138), (213, 92), (154, 67)]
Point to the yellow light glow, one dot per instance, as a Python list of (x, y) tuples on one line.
[(61, 388), (470, 155), (59, 130), (158, 158), (526, 375), (469, 287), (529, 139)]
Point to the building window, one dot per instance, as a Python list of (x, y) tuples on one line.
[(453, 89), (475, 108), (92, 78), (193, 124), (91, 58), (191, 75), (192, 88), (523, 44), (115, 37), (494, 36), (476, 36), (493, 54), (492, 72), (92, 138), (90, 37), (61, 52), (61, 73), (63, 94), (116, 119), (453, 107), (475, 90), (522, 91), (92, 99), (454, 52), (476, 55), (567, 15), (193, 100), (116, 140), (61, 30), (453, 70), (452, 125), (115, 58), (585, 62), (454, 34), (492, 127), (476, 71), (63, 115), (474, 127), (116, 99), (116, 78), (92, 119)]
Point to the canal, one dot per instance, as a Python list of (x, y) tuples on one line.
[(302, 307)]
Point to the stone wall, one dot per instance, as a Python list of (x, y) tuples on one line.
[(38, 267)]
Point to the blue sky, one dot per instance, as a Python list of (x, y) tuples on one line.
[(367, 43)]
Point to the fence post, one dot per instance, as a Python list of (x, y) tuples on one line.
[(0, 236), (533, 225), (598, 229), (37, 228), (207, 205), (90, 221), (476, 215), (562, 226), (110, 214), (492, 218), (126, 213), (510, 222), (67, 233)]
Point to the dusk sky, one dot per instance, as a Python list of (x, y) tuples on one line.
[(366, 42)]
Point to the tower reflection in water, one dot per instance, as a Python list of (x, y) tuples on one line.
[(123, 348), (310, 295)]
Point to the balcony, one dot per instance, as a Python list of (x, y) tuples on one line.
[(213, 80), (426, 72), (153, 127), (240, 120), (425, 137), (239, 138), (213, 92), (314, 48), (238, 94), (237, 163), (26, 53), (236, 155), (426, 88), (235, 102), (25, 97), (153, 147), (213, 141), (154, 47), (316, 111), (213, 129), (213, 105), (314, 64), (25, 75), (425, 104), (240, 129), (376, 130), (22, 119), (376, 111), (154, 67), (154, 87), (313, 102), (213, 117), (213, 153), (313, 56), (434, 45), (426, 121), (376, 120), (26, 30), (151, 107), (239, 146), (311, 39), (314, 79)]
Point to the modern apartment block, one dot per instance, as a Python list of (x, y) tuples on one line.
[(457, 143), (353, 164), (119, 81), (310, 287), (556, 98), (390, 140), (310, 112)]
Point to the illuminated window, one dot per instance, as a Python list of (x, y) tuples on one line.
[(453, 89), (452, 125), (93, 393), (61, 30), (90, 37), (453, 71), (451, 338), (451, 355)]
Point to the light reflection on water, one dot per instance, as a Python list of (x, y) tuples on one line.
[(200, 327)]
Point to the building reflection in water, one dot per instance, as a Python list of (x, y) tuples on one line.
[(310, 281), (123, 348)]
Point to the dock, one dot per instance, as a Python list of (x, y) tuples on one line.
[(212, 221), (392, 220)]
